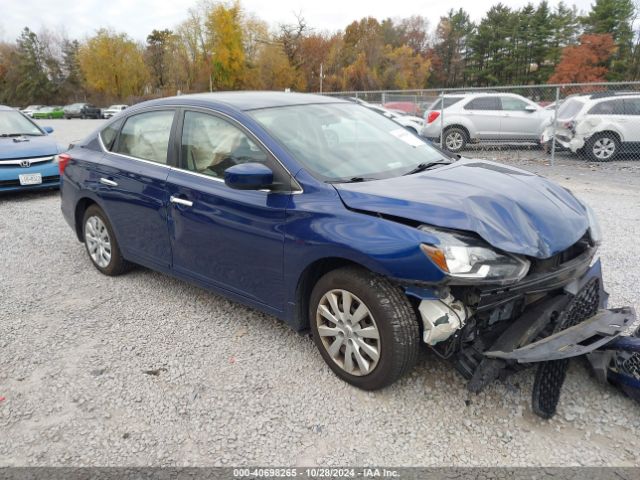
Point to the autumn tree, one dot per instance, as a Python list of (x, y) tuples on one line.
[(113, 64), (225, 42), (586, 62)]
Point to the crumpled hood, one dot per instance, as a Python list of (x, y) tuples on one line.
[(33, 147), (511, 209)]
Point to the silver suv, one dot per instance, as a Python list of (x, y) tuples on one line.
[(489, 116)]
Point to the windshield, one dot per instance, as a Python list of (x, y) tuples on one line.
[(13, 123), (340, 142)]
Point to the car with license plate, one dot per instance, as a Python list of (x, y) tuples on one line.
[(330, 217), (28, 154)]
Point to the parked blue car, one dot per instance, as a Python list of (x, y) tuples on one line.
[(28, 155), (336, 219)]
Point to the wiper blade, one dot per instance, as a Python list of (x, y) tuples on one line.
[(425, 166), (353, 180), (20, 135)]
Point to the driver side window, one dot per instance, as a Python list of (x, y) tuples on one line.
[(210, 145)]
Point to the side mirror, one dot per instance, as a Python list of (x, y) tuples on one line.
[(248, 176), (530, 109), (48, 129)]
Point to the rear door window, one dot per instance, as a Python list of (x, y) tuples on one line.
[(609, 107), (146, 136), (484, 103)]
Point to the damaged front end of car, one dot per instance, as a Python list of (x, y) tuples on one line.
[(498, 313)]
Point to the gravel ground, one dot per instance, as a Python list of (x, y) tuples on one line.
[(147, 370)]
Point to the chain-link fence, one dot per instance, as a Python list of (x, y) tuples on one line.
[(594, 121)]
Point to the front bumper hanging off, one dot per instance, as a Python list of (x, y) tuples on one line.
[(585, 337), (569, 324)]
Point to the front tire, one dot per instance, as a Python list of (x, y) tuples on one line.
[(364, 327), (602, 147), (455, 139), (101, 244)]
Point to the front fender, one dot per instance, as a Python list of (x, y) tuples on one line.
[(319, 226)]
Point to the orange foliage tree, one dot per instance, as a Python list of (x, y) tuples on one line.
[(586, 62)]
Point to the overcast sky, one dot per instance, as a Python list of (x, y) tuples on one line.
[(80, 18)]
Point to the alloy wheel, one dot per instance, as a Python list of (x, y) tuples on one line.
[(604, 148), (98, 242), (454, 140), (348, 332)]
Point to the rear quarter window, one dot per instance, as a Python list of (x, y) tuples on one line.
[(484, 103), (448, 101), (108, 135)]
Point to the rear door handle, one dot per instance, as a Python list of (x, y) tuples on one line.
[(110, 183), (181, 201)]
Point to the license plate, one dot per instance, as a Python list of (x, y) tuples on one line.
[(30, 179)]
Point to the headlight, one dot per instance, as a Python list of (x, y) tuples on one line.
[(594, 227), (468, 259)]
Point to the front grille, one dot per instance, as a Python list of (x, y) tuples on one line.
[(632, 365), (16, 182), (550, 375), (15, 162), (575, 250), (582, 306)]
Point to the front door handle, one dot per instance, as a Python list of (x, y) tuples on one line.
[(181, 201), (110, 183)]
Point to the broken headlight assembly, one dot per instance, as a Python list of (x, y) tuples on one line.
[(469, 260)]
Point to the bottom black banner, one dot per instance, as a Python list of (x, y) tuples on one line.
[(196, 473)]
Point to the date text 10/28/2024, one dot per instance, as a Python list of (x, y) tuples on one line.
[(315, 473)]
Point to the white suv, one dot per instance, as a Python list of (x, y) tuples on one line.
[(600, 125), (488, 116)]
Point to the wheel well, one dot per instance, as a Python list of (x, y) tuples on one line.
[(610, 132), (464, 129), (308, 280), (81, 207)]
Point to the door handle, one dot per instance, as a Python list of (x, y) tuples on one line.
[(181, 201), (110, 183)]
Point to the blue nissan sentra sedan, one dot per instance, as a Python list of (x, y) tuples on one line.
[(28, 155), (337, 220)]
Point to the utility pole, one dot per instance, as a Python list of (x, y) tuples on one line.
[(321, 77)]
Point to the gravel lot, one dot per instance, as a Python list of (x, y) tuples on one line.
[(147, 370)]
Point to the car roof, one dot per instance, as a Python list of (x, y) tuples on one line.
[(247, 100), (5, 108)]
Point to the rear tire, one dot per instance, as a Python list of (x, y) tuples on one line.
[(455, 139), (101, 244), (602, 147), (374, 337)]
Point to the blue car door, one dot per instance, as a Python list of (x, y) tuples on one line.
[(131, 182), (231, 239)]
